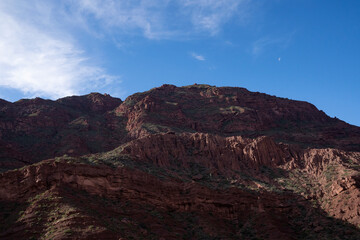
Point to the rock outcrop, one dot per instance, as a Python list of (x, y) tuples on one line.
[(193, 162), (225, 154), (144, 202), (234, 111), (32, 130)]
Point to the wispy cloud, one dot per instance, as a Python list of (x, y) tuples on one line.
[(39, 53), (210, 15), (261, 44), (197, 56), (38, 61), (161, 19)]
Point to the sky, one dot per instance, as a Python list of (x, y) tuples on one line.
[(305, 50)]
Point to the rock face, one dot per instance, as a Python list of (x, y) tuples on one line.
[(224, 154), (36, 129), (32, 130), (234, 111), (139, 205), (194, 162)]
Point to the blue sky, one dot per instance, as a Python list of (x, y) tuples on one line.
[(299, 49)]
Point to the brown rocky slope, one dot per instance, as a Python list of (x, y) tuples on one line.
[(194, 162), (32, 130)]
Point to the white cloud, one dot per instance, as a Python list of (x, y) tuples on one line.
[(39, 59), (40, 56), (197, 56), (125, 17), (210, 15), (160, 19)]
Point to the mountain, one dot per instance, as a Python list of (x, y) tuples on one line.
[(192, 162), (36, 129)]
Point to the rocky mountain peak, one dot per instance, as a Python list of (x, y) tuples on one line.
[(191, 162), (93, 102)]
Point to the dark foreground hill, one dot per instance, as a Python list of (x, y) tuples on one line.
[(194, 162)]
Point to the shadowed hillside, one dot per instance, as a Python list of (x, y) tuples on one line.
[(193, 162)]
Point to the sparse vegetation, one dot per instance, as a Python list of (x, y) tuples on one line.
[(169, 163)]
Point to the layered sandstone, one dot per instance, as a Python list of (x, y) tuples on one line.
[(231, 213), (193, 162)]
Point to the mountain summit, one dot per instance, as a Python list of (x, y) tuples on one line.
[(192, 162)]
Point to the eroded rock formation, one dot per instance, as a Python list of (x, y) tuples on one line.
[(194, 162)]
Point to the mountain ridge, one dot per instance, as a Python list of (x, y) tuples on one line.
[(193, 162)]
